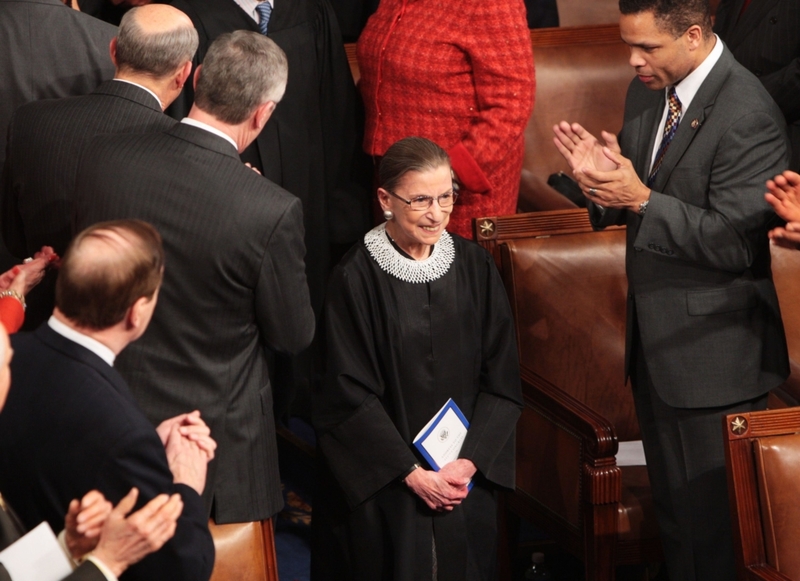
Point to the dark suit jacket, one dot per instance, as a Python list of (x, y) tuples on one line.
[(48, 50), (11, 530), (45, 141), (308, 145), (70, 425), (234, 284), (698, 263), (766, 40)]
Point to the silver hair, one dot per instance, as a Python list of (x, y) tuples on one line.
[(241, 71), (156, 55)]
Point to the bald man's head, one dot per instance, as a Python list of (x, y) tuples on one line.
[(155, 40), (107, 268)]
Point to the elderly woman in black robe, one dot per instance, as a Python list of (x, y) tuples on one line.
[(414, 316)]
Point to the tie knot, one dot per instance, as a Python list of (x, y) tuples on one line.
[(264, 10)]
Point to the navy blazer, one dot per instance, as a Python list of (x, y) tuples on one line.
[(70, 425)]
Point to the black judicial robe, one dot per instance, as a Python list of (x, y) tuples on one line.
[(396, 352), (311, 146)]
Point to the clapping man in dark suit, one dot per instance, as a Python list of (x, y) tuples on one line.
[(700, 138), (236, 281), (152, 54), (70, 425), (763, 36), (106, 541)]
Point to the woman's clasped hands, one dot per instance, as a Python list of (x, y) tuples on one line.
[(445, 489)]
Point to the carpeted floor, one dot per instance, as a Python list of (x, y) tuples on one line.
[(293, 524)]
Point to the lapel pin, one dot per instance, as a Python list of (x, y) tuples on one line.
[(695, 123)]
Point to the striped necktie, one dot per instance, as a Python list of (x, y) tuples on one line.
[(264, 10), (670, 128)]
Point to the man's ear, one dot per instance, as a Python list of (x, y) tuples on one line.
[(263, 113), (196, 76), (183, 74), (695, 36), (112, 49), (137, 317)]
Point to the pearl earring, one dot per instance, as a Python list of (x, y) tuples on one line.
[(388, 215)]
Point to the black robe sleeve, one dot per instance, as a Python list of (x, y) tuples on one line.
[(490, 441), (357, 437)]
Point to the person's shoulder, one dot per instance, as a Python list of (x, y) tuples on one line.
[(742, 92)]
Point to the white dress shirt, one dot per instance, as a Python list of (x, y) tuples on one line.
[(249, 6), (92, 345), (214, 130)]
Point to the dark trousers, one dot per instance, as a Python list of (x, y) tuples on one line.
[(686, 465)]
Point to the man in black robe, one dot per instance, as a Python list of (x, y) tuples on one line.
[(310, 146)]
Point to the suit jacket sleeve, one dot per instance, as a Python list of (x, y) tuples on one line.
[(283, 306), (726, 233), (499, 49), (88, 571), (139, 460)]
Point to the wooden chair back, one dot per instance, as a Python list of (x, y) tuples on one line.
[(762, 451), (244, 551)]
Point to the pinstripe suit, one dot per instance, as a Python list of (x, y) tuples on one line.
[(48, 51), (46, 139), (766, 40), (234, 284)]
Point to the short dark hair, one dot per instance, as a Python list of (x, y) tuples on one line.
[(96, 290), (409, 154), (675, 16), (241, 70), (154, 54)]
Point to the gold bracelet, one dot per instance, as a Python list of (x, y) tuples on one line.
[(16, 295)]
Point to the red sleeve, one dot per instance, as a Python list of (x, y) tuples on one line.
[(499, 46), (12, 314)]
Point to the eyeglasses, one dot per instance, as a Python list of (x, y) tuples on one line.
[(445, 200)]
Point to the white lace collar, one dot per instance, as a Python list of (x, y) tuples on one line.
[(407, 269)]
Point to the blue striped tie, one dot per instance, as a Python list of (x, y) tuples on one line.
[(264, 10), (670, 128)]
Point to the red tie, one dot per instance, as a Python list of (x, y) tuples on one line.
[(744, 7)]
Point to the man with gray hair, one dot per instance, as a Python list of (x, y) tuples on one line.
[(152, 54), (236, 282)]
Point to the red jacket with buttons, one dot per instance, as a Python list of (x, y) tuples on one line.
[(461, 74)]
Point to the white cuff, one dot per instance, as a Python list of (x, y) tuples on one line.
[(103, 568)]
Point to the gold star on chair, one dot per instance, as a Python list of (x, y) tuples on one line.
[(487, 227), (739, 425)]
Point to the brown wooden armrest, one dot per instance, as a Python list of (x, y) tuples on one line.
[(536, 196), (594, 429), (766, 573)]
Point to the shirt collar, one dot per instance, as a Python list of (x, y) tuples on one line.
[(160, 104), (92, 345), (249, 6), (688, 87), (214, 130)]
